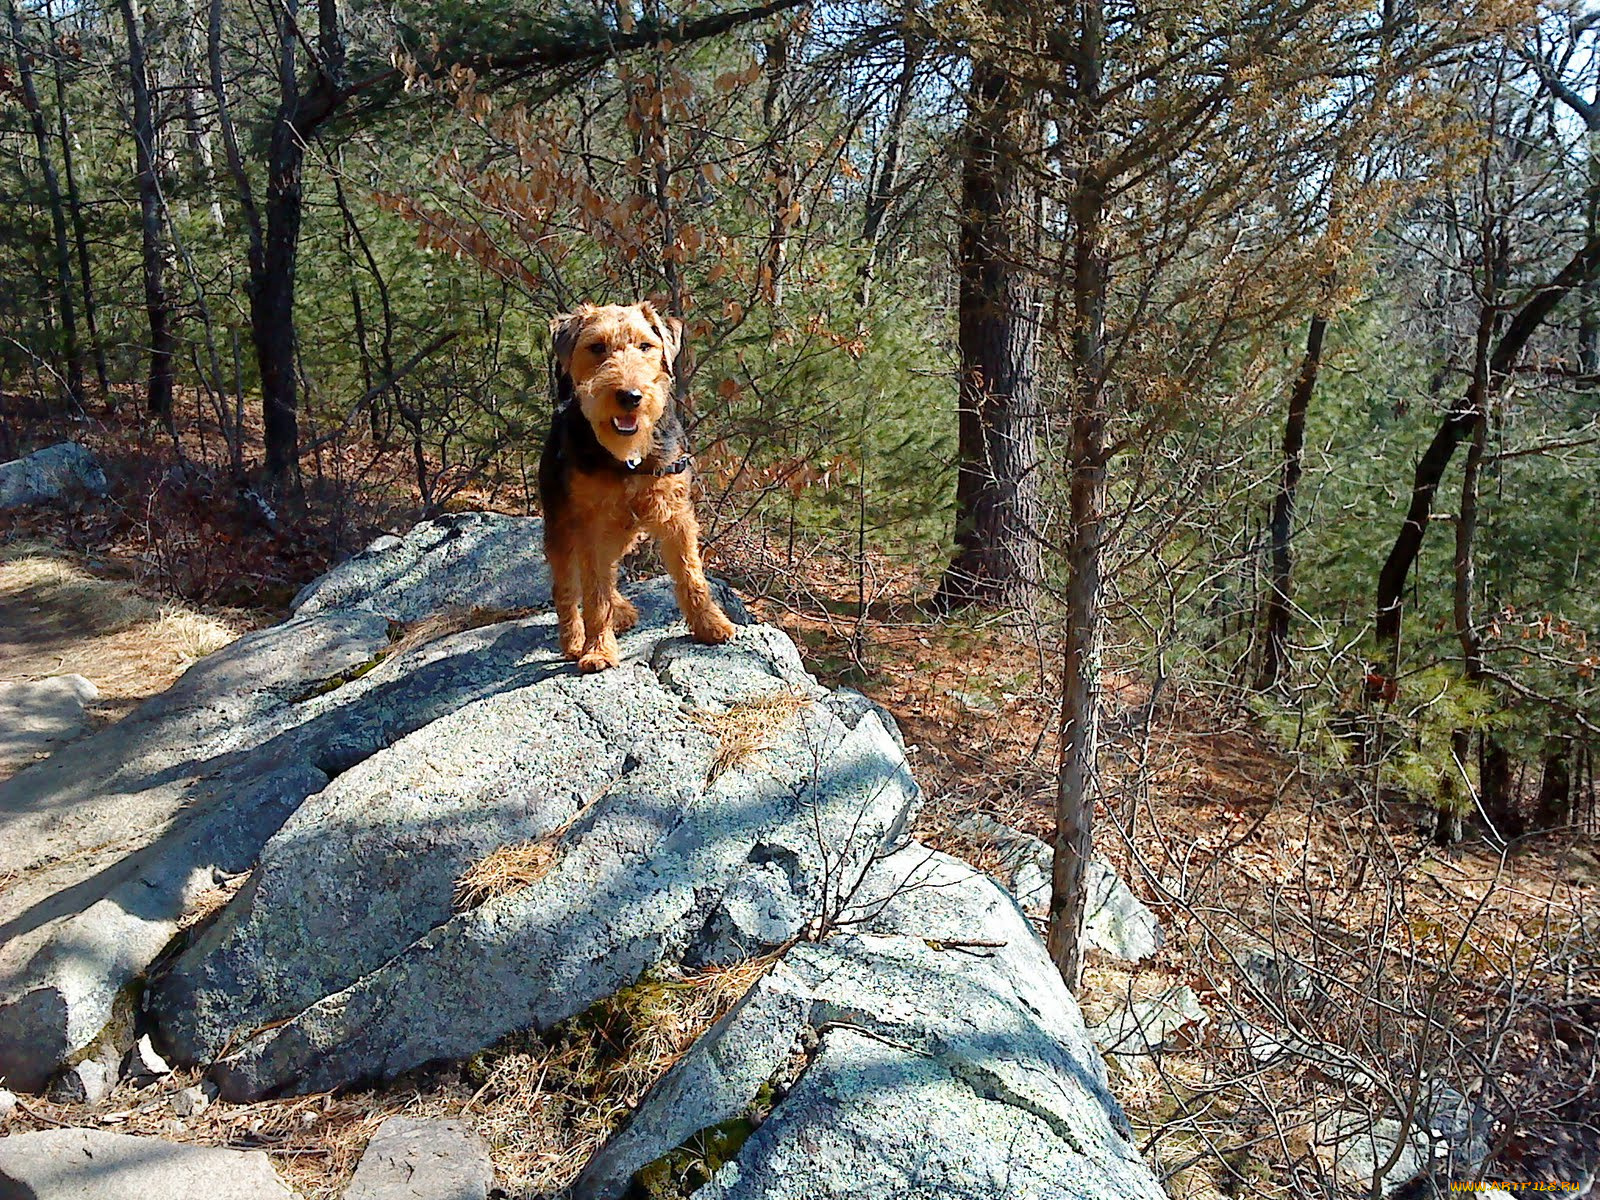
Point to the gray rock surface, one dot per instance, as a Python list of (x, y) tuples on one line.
[(87, 1082), (1357, 1148), (143, 1065), (1115, 922), (914, 1040), (1458, 1129), (461, 560), (412, 1158), (1144, 1026), (653, 862), (192, 1101), (86, 1164), (36, 715), (195, 781), (63, 472), (928, 1049)]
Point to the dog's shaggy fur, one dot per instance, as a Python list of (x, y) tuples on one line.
[(616, 468)]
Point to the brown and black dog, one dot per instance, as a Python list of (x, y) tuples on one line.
[(616, 468)]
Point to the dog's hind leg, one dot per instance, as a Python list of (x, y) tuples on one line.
[(564, 590), (680, 550), (624, 616)]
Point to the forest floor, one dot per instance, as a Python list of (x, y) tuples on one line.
[(1390, 964)]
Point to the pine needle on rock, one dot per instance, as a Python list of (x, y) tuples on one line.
[(749, 727)]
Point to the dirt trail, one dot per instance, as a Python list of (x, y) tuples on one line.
[(56, 618)]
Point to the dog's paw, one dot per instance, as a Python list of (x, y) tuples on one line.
[(572, 647), (712, 628), (597, 660), (624, 616)]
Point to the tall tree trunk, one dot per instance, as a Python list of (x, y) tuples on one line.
[(158, 305), (780, 167), (58, 218), (1554, 806), (1455, 795), (80, 233), (1280, 524), (886, 182), (997, 487), (301, 112), (1458, 423), (272, 304), (1078, 779)]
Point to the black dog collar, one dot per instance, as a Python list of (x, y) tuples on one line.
[(676, 467)]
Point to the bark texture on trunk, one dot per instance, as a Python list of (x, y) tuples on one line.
[(997, 488), (1280, 524), (158, 305), (71, 350), (1078, 778), (1554, 806), (1458, 423)]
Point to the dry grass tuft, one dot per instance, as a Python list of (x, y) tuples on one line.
[(212, 901), (452, 620), (504, 870), (546, 1108), (50, 583), (188, 635), (749, 727)]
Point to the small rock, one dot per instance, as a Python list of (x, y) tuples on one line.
[(65, 471), (143, 1065), (1146, 1025), (87, 1164), (1279, 978), (192, 1101), (85, 1083), (419, 1159), (8, 1104), (974, 703), (1356, 1147), (1458, 1129), (1115, 921)]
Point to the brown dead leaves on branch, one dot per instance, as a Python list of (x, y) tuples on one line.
[(655, 180)]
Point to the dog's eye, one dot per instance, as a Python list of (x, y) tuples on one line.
[(598, 348), (647, 345)]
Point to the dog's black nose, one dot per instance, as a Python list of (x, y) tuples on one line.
[(629, 398)]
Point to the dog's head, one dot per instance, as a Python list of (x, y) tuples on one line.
[(619, 360)]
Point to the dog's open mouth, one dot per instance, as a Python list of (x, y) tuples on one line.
[(627, 424)]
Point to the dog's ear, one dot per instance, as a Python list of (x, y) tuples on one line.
[(564, 330), (668, 329)]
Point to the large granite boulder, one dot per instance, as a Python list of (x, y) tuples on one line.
[(106, 846), (345, 960), (63, 472), (927, 1049), (695, 806)]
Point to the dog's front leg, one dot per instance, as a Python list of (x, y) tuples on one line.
[(680, 550), (599, 586), (564, 590)]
